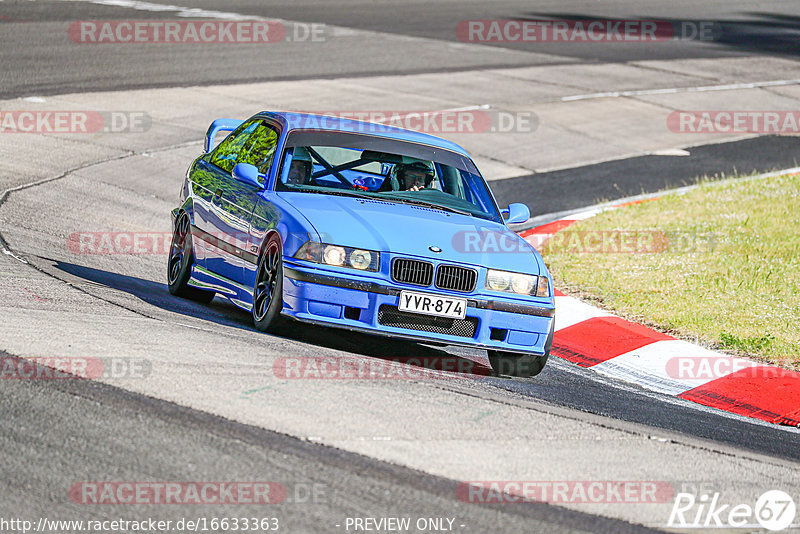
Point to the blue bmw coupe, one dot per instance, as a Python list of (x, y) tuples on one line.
[(360, 226)]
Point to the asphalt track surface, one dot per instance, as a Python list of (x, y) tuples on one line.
[(576, 188), (38, 58), (159, 440), (558, 385)]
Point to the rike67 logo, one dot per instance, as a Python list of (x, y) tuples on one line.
[(774, 510)]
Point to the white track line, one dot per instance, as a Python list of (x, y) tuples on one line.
[(571, 311), (186, 12), (675, 90), (650, 366)]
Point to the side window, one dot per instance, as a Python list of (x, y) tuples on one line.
[(227, 152), (259, 148)]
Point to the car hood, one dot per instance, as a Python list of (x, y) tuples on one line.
[(413, 230)]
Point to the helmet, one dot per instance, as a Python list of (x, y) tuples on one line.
[(301, 153), (300, 168), (410, 173)]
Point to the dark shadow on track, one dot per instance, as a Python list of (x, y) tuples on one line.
[(156, 294), (223, 312), (576, 388)]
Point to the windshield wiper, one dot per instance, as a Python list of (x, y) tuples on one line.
[(415, 202), (337, 192), (345, 193)]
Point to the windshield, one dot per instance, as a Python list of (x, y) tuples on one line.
[(337, 163)]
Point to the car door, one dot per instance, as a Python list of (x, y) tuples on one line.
[(225, 219)]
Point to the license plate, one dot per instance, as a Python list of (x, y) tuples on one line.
[(428, 304)]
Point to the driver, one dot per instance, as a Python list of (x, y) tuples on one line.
[(300, 168), (413, 176)]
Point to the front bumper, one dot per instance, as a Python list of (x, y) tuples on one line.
[(353, 302)]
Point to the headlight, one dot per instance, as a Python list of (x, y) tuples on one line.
[(498, 280), (522, 284), (338, 256), (360, 259), (334, 255)]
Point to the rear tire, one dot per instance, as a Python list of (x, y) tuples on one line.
[(268, 290), (179, 265)]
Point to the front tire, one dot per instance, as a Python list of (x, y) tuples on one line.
[(522, 365), (514, 364), (179, 265), (268, 290)]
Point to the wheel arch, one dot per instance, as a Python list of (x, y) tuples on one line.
[(270, 233)]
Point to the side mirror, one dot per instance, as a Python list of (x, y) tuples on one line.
[(516, 213), (248, 174)]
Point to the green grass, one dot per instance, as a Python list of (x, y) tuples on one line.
[(719, 264)]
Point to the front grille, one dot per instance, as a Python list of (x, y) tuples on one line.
[(456, 278), (418, 273), (389, 315)]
